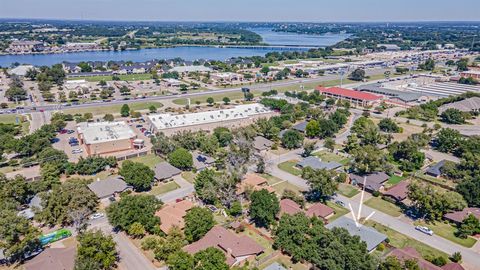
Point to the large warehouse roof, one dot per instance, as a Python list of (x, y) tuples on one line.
[(166, 121), (347, 93), (105, 131)]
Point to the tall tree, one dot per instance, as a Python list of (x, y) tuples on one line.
[(264, 207), (198, 222), (323, 183), (96, 250), (135, 208), (138, 175)]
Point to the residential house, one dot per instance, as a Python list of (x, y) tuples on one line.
[(172, 215), (53, 259), (458, 216), (397, 193), (320, 210), (370, 236), (436, 169), (261, 144), (165, 170), (289, 207), (373, 182), (275, 266), (108, 187), (317, 164), (253, 182), (35, 204), (201, 161), (300, 127), (237, 249), (410, 253)]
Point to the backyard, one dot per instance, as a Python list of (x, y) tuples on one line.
[(150, 160), (327, 156), (290, 167), (384, 206), (163, 188), (347, 190)]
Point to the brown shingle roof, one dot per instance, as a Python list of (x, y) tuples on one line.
[(320, 210), (409, 253), (53, 259), (254, 181), (452, 266), (374, 180), (232, 245), (399, 191), (173, 214), (459, 216), (290, 207)]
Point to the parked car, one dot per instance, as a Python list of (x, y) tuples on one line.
[(77, 151), (96, 216), (62, 131), (70, 131), (112, 199), (424, 230), (139, 126), (342, 204)]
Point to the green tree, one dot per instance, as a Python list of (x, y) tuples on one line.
[(224, 136), (265, 70), (226, 100), (138, 175), (469, 226), (97, 250), (313, 129), (367, 159), (136, 230), (210, 259), (308, 148), (205, 185), (134, 208), (108, 117), (407, 153), (181, 159), (388, 125), (292, 139), (329, 143), (198, 221), (125, 110), (462, 64), (264, 207), (210, 101), (152, 109), (453, 116), (328, 128), (357, 75), (447, 140), (323, 183), (180, 260)]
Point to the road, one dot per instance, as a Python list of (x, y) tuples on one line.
[(130, 256), (471, 259)]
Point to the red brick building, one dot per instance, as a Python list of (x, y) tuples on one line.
[(358, 98)]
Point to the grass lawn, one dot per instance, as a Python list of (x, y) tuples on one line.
[(331, 157), (394, 179), (284, 261), (384, 206), (163, 188), (282, 186), (433, 180), (347, 190), (272, 180), (10, 118), (289, 167), (447, 231), (216, 97), (150, 160), (114, 109), (189, 176), (339, 210), (128, 77), (399, 240)]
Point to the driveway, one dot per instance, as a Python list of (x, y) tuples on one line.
[(186, 188)]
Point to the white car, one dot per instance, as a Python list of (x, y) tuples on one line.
[(96, 216), (77, 151), (424, 230)]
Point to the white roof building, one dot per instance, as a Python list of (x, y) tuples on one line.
[(167, 121), (182, 69), (20, 70), (101, 132), (74, 84)]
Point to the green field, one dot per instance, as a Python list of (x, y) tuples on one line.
[(163, 188), (384, 206), (289, 167), (114, 109), (331, 157), (399, 240), (347, 190), (447, 231), (9, 118), (281, 187), (128, 77), (150, 160), (189, 177), (394, 179), (217, 97)]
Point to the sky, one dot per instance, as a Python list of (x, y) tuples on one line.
[(245, 10)]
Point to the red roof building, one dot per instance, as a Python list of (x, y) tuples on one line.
[(237, 249), (320, 210), (290, 207), (353, 96)]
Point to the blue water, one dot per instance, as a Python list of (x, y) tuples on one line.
[(294, 39), (186, 53)]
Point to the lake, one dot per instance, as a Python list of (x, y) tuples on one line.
[(187, 52)]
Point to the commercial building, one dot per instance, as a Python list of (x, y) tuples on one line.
[(354, 97), (467, 105), (25, 46), (20, 71), (475, 74), (187, 69), (160, 122), (443, 89), (396, 95), (106, 137)]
